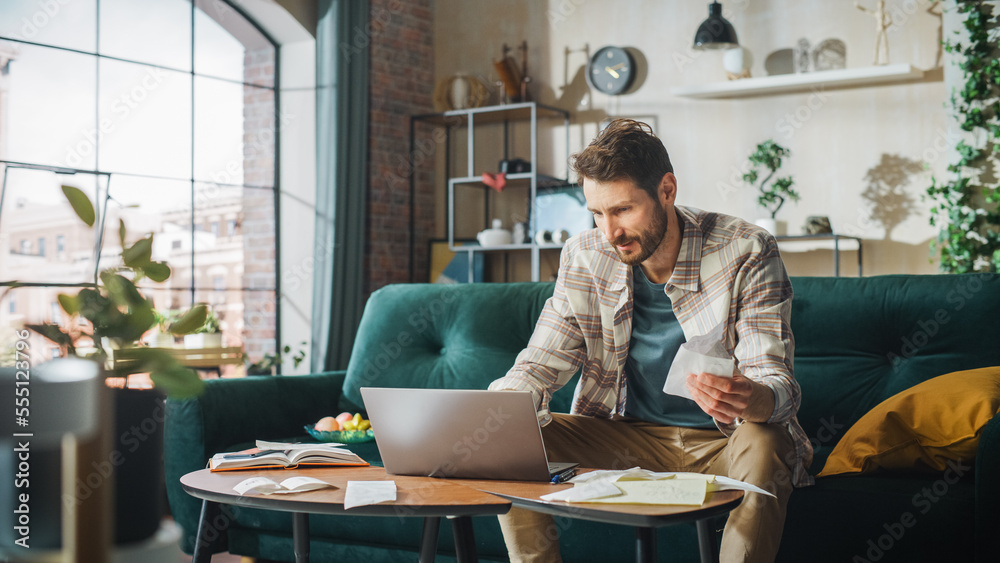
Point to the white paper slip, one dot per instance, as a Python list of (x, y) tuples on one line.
[(585, 491), (688, 492), (701, 354), (266, 486), (361, 493), (725, 484)]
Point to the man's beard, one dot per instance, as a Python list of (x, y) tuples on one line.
[(649, 239)]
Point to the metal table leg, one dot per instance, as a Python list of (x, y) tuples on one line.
[(465, 540), (203, 545), (707, 542), (300, 536), (645, 545), (428, 541)]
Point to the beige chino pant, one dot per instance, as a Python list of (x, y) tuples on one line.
[(754, 454)]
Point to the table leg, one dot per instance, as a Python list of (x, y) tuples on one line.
[(203, 544), (465, 539), (428, 541), (707, 542), (645, 545), (300, 536)]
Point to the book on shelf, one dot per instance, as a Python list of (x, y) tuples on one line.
[(277, 455)]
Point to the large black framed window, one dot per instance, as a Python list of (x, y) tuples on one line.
[(165, 113)]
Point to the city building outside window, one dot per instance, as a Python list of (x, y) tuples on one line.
[(164, 113)]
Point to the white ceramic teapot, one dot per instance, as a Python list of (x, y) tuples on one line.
[(497, 236)]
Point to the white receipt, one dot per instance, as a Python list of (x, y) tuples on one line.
[(266, 486), (361, 493), (701, 354)]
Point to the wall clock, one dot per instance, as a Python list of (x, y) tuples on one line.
[(611, 70)]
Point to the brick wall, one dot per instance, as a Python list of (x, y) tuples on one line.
[(402, 84), (258, 222)]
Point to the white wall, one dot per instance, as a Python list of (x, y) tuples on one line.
[(297, 168), (836, 137)]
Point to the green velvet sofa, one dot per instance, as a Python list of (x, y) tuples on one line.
[(858, 342)]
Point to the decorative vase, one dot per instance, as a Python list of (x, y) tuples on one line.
[(776, 228), (139, 481), (203, 340), (737, 62), (162, 340), (459, 91)]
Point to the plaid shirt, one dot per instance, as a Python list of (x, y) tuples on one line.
[(727, 271)]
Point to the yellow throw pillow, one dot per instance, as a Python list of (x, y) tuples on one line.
[(922, 427)]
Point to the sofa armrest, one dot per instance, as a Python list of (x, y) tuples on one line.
[(237, 411), (988, 491)]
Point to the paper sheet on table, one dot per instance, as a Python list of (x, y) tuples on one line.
[(265, 486), (702, 354), (361, 493), (621, 487)]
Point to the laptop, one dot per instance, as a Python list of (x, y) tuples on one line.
[(459, 433)]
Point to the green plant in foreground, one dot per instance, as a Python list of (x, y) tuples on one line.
[(768, 155), (119, 314), (966, 206)]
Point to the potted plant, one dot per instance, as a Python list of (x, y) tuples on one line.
[(767, 157), (269, 363), (118, 315), (163, 338), (208, 335)]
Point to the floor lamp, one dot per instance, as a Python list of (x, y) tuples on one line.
[(68, 417)]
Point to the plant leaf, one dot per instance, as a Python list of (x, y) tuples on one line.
[(178, 382), (157, 271), (121, 232), (190, 321), (69, 303), (139, 254), (52, 332), (81, 204)]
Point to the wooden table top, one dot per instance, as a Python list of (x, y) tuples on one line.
[(525, 494), (415, 496)]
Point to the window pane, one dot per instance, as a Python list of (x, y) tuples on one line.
[(149, 31), (228, 46), (247, 319), (161, 207), (234, 133), (53, 22), (145, 113), (50, 108), (34, 210), (31, 305)]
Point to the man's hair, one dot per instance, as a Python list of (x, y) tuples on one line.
[(625, 150)]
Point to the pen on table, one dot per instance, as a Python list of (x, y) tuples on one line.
[(564, 476)]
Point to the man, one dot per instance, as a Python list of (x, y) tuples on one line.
[(628, 294)]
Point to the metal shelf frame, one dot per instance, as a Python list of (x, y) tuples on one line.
[(468, 119)]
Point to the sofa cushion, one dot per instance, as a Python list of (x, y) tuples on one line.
[(922, 427), (444, 336)]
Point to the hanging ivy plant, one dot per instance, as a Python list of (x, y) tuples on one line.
[(966, 208)]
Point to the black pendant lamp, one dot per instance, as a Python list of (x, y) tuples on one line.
[(716, 32)]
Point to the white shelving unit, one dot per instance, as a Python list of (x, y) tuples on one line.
[(788, 83)]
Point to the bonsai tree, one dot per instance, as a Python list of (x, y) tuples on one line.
[(119, 314), (767, 158)]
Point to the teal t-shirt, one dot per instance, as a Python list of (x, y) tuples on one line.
[(656, 336)]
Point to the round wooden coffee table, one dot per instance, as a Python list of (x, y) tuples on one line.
[(415, 496), (645, 518)]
